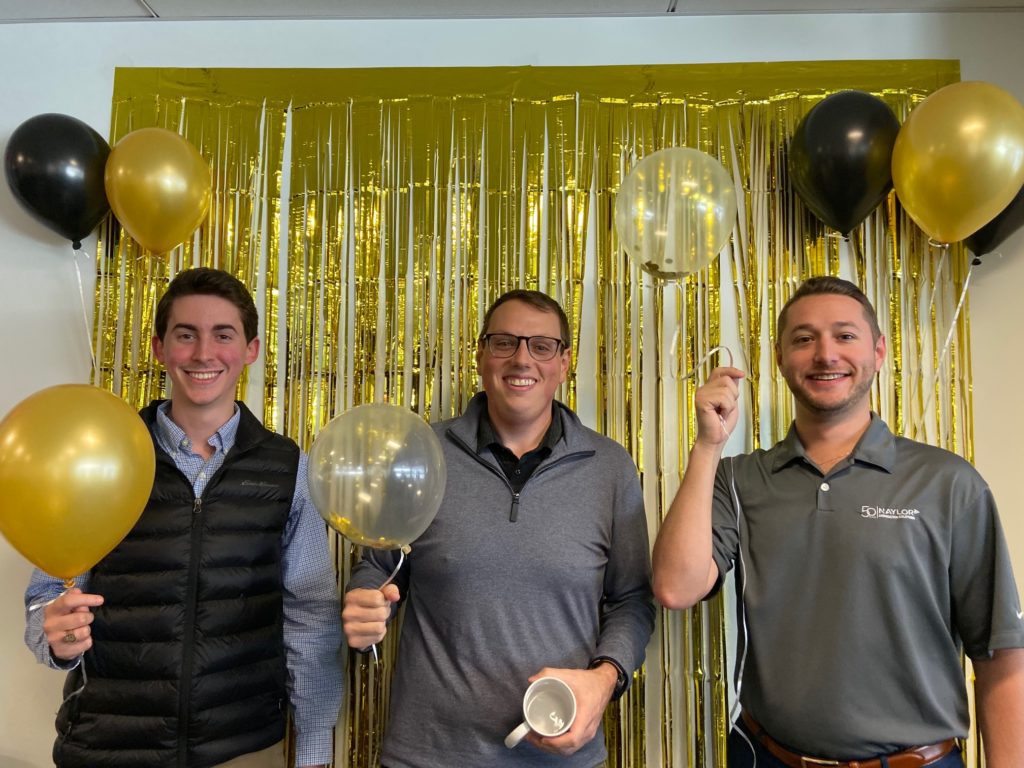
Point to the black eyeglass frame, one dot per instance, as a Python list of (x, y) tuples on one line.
[(485, 339)]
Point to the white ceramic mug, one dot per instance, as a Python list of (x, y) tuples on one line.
[(549, 707)]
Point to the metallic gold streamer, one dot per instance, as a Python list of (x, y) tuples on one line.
[(376, 213)]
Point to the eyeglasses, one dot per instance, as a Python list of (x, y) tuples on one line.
[(541, 348)]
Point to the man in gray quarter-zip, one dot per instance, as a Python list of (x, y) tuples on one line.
[(188, 642), (867, 563), (536, 564)]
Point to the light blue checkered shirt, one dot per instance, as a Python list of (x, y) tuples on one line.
[(312, 614)]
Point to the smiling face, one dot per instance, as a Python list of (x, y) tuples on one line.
[(829, 356), (204, 351), (519, 389)]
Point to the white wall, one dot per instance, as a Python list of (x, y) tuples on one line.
[(69, 68)]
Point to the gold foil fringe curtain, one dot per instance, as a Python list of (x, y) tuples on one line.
[(376, 213)]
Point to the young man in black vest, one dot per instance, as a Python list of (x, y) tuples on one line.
[(186, 644)]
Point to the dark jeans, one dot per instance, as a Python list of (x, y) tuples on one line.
[(741, 756)]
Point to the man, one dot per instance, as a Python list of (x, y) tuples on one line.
[(186, 642), (869, 561), (536, 564)]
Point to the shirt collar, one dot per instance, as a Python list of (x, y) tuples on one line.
[(486, 436), (173, 438), (877, 446)]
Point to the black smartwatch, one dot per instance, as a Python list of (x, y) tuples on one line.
[(621, 680)]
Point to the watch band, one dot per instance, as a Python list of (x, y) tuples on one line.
[(622, 679)]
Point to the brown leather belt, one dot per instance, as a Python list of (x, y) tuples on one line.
[(916, 757)]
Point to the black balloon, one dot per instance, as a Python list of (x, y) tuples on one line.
[(991, 236), (840, 157), (54, 165)]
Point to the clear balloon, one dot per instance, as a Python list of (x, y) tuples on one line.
[(159, 187), (377, 475), (959, 159), (76, 471), (675, 211), (54, 165)]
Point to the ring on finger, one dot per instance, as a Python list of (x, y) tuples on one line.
[(69, 637)]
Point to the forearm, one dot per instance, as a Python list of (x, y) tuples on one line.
[(999, 690), (626, 626), (627, 603), (312, 639), (684, 571)]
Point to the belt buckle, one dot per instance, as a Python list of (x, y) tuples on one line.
[(812, 761)]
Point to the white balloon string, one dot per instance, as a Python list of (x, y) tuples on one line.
[(401, 559), (85, 678), (696, 368), (85, 313), (943, 255), (44, 603), (930, 389)]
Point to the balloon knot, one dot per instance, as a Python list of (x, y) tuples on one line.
[(76, 245)]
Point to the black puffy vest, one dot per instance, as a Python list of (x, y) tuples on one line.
[(187, 669)]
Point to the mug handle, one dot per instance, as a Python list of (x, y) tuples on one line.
[(517, 735)]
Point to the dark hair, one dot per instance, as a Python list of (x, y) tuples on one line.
[(537, 300), (826, 284), (204, 281)]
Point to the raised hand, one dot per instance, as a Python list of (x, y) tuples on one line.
[(716, 404)]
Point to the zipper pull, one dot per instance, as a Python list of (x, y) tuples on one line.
[(197, 506), (514, 512)]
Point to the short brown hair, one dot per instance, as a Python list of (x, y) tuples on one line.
[(826, 284), (537, 300), (205, 281)]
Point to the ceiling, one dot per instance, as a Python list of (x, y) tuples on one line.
[(20, 11)]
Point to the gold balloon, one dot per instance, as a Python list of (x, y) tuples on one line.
[(675, 211), (158, 186), (76, 471), (377, 475), (958, 160)]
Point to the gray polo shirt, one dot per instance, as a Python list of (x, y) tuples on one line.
[(862, 586)]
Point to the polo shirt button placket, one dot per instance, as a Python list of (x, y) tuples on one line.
[(824, 498)]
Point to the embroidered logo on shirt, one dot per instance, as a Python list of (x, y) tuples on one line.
[(259, 484), (889, 513)]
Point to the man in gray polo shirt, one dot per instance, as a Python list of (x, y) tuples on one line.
[(868, 562)]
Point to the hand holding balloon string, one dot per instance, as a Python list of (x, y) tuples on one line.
[(69, 641), (64, 516), (692, 373)]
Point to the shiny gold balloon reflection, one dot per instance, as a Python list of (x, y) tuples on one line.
[(377, 475), (958, 160), (158, 186), (675, 211), (76, 471)]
